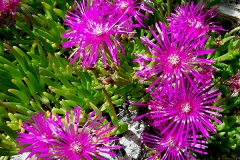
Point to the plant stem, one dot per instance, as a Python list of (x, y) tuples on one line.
[(113, 112), (110, 103), (168, 7), (224, 99), (234, 30)]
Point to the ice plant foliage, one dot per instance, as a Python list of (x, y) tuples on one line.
[(194, 16), (56, 138), (176, 55), (93, 30), (132, 9)]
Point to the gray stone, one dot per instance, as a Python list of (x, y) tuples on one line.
[(131, 139), (22, 156), (229, 12)]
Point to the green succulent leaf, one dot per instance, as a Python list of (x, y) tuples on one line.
[(123, 127), (1, 48), (7, 152), (12, 134)]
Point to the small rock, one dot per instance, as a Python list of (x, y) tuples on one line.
[(22, 156), (131, 139), (230, 13)]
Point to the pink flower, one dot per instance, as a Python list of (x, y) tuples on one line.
[(175, 55), (38, 138), (55, 138), (93, 138), (233, 83), (8, 9), (207, 74), (93, 31), (153, 105), (132, 8), (194, 16), (188, 111), (173, 148)]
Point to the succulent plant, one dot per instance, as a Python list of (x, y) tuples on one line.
[(40, 86)]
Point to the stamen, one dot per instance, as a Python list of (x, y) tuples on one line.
[(186, 108), (198, 24), (98, 31), (170, 142), (173, 59), (195, 23), (123, 5), (76, 147)]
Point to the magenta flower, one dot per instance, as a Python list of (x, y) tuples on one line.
[(207, 74), (173, 148), (93, 138), (233, 83), (55, 138), (174, 57), (195, 16), (38, 138), (93, 31), (132, 8), (153, 105), (189, 110), (8, 9)]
